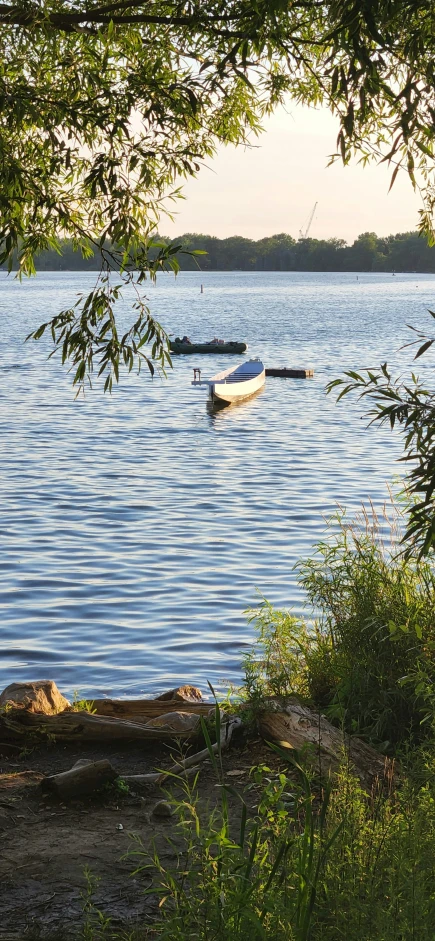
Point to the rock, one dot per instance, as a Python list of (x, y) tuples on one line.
[(162, 809), (182, 694), (40, 696), (175, 722)]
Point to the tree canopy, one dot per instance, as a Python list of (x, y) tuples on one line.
[(107, 106), (403, 252)]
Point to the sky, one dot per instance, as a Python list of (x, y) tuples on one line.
[(273, 187)]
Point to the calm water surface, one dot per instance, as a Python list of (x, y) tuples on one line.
[(136, 529)]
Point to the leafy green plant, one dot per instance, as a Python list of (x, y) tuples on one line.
[(82, 705), (117, 788), (376, 629), (376, 882), (96, 925), (5, 708), (275, 664), (368, 659), (252, 878), (305, 867)]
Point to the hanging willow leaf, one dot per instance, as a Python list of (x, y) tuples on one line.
[(106, 107), (410, 407)]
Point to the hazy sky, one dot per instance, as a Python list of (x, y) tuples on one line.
[(273, 187)]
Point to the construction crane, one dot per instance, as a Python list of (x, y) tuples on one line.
[(304, 233)]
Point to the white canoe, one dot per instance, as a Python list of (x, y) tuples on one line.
[(236, 383)]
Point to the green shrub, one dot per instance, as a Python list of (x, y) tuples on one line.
[(246, 880), (368, 660), (371, 665), (340, 865), (377, 883)]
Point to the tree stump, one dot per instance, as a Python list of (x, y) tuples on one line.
[(83, 779)]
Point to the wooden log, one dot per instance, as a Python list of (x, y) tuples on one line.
[(80, 781), (84, 727), (296, 726), (140, 710), (157, 778), (283, 372)]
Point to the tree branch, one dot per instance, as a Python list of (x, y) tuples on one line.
[(14, 16)]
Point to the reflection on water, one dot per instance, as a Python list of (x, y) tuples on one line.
[(215, 407), (137, 528)]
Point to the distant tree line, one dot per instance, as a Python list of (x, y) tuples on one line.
[(406, 251)]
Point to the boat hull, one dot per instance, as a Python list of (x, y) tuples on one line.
[(223, 393), (181, 349), (234, 384)]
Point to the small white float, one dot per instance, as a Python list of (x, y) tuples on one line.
[(234, 384)]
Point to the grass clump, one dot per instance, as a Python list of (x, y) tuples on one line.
[(302, 867), (275, 665), (377, 882), (372, 663), (82, 705)]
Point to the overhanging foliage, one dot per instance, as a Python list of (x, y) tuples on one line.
[(108, 106)]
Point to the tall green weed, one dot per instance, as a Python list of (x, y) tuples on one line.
[(372, 666), (325, 867), (366, 656)]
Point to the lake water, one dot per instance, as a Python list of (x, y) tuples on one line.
[(136, 529)]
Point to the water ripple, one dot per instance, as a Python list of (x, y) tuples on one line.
[(137, 529)]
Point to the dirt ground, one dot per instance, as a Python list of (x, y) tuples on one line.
[(46, 847)]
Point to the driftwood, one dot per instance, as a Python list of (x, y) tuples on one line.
[(84, 727), (140, 710), (176, 722), (297, 727), (87, 776), (181, 767), (81, 780)]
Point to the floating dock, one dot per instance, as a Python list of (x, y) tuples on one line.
[(282, 372)]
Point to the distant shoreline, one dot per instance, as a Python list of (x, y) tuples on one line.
[(404, 253), (243, 271)]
